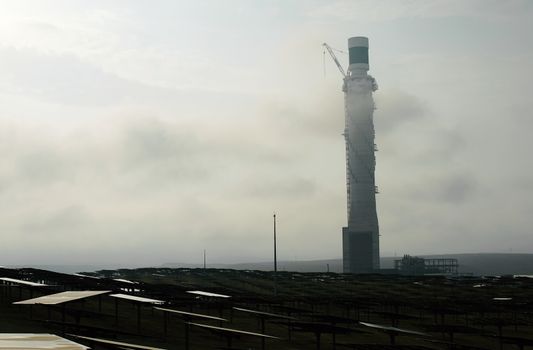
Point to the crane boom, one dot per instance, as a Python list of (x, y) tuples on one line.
[(332, 54)]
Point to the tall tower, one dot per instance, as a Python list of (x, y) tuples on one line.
[(360, 239)]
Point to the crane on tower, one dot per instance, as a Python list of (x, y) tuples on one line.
[(332, 54)]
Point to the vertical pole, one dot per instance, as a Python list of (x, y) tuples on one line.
[(229, 340), (275, 260), (116, 312), (204, 260), (139, 318), (187, 327), (165, 320), (220, 313), (262, 332), (324, 61), (63, 318), (392, 338), (289, 325)]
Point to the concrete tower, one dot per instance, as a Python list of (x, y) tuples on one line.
[(360, 239)]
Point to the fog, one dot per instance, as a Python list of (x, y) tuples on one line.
[(136, 133)]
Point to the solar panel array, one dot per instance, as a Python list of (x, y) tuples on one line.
[(137, 299), (310, 309), (31, 341), (63, 297)]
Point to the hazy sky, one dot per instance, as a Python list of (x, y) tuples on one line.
[(142, 132)]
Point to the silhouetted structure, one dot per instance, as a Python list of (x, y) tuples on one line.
[(360, 239), (414, 265)]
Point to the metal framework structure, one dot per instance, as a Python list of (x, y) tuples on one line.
[(413, 265)]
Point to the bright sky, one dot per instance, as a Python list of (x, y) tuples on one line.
[(142, 132)]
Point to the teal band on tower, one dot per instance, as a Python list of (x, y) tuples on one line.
[(358, 54)]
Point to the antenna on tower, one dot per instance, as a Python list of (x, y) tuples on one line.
[(324, 60)]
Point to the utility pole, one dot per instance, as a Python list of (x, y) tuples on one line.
[(275, 260), (204, 260)]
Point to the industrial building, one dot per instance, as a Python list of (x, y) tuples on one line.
[(414, 265)]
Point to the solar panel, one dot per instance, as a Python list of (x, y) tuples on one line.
[(360, 346), (124, 281), (334, 319), (389, 328), (63, 297), (26, 283), (262, 313), (137, 299), (208, 294), (190, 314), (232, 331), (453, 328), (117, 343), (29, 341), (516, 341), (316, 327), (85, 276)]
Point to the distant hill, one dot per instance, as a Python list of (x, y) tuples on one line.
[(477, 264), (335, 265), (493, 263)]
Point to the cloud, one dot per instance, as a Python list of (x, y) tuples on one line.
[(56, 223), (396, 107), (322, 117), (445, 189), (283, 188), (126, 129), (148, 178), (62, 79), (387, 10)]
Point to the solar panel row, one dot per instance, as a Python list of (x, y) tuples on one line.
[(63, 297)]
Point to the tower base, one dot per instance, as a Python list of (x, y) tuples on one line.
[(357, 250)]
